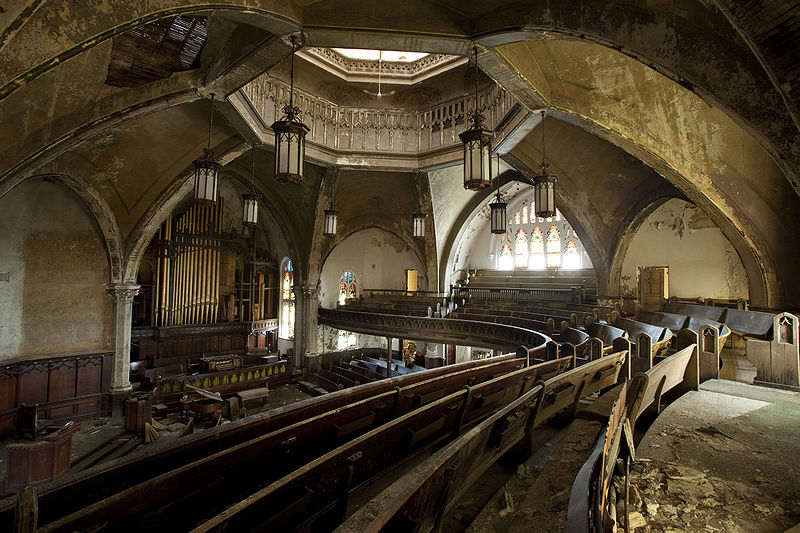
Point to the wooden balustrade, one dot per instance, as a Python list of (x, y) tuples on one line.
[(65, 387)]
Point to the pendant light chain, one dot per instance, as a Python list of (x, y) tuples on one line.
[(544, 159), (291, 83), (253, 174), (210, 122)]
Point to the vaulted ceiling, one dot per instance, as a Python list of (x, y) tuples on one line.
[(684, 98)]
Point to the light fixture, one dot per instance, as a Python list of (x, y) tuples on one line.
[(380, 67), (250, 201), (206, 169), (331, 214), (419, 224), (498, 208), (477, 146), (544, 194), (290, 138)]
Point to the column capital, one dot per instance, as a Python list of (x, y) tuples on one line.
[(122, 292), (311, 291)]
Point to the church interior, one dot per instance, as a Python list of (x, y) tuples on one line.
[(328, 265)]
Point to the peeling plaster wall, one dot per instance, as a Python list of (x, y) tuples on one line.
[(377, 259), (701, 260), (55, 300)]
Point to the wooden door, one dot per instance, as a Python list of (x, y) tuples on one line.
[(653, 287), (411, 280)]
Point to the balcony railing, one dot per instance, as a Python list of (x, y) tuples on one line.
[(573, 295), (376, 130)]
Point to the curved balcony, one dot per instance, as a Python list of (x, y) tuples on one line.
[(442, 330), (378, 137)]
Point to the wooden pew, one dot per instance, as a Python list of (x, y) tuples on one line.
[(649, 340), (420, 498), (107, 479), (323, 485), (253, 463), (699, 311), (667, 320), (670, 373), (778, 360), (589, 496)]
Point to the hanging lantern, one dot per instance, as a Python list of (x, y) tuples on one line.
[(544, 194), (206, 169), (250, 201), (498, 214), (419, 224), (290, 139), (331, 220), (477, 147), (250, 209), (331, 214)]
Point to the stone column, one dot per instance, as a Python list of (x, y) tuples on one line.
[(122, 295), (389, 356), (310, 302)]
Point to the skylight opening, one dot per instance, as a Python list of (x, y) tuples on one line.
[(385, 55)]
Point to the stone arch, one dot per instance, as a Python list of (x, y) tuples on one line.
[(361, 276), (168, 200), (480, 202), (102, 216), (763, 276)]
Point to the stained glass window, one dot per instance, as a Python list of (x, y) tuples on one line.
[(506, 261), (553, 247), (525, 214), (537, 249), (572, 259), (521, 249), (516, 218), (346, 340), (347, 286), (286, 329)]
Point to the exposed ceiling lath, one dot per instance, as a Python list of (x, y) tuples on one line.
[(156, 50)]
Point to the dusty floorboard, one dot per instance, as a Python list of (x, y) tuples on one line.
[(724, 458)]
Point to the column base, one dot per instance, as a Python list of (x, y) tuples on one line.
[(118, 397)]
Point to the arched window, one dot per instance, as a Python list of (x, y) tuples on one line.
[(346, 340), (286, 329), (537, 249), (506, 260), (553, 247), (516, 218), (347, 286), (525, 214), (572, 259), (521, 249)]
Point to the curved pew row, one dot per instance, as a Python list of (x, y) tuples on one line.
[(213, 482), (588, 505), (320, 490), (69, 495), (710, 334)]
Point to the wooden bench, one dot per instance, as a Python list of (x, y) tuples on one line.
[(305, 434), (420, 498), (778, 360), (588, 508), (104, 481), (260, 394), (649, 341)]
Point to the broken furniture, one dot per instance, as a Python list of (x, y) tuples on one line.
[(39, 462)]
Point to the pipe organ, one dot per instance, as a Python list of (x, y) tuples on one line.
[(198, 274), (188, 267)]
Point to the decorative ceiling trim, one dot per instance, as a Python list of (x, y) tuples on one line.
[(359, 70)]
